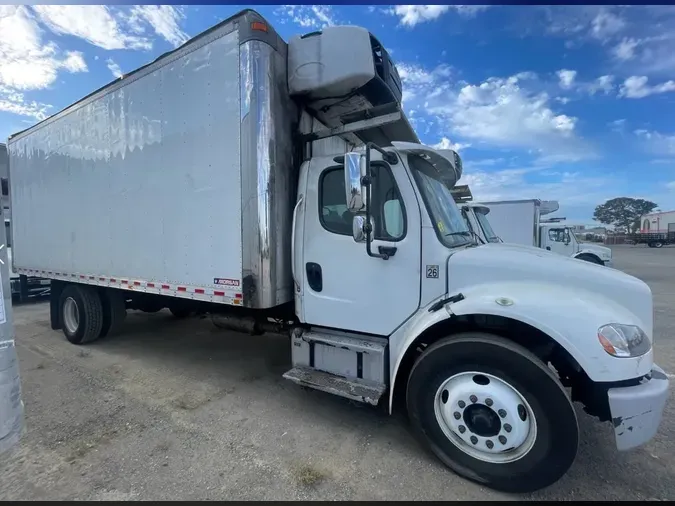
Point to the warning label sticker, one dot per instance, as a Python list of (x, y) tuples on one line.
[(226, 281)]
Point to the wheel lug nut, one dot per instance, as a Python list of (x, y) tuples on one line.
[(502, 413), (474, 439), (489, 444), (507, 427), (502, 439), (461, 404), (457, 415), (462, 429), (473, 399), (488, 402)]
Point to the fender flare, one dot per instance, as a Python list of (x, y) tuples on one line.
[(543, 307), (587, 252)]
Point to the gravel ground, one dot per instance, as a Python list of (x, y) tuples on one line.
[(181, 410)]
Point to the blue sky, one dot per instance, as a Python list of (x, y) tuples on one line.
[(569, 103)]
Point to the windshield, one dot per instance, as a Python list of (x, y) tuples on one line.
[(450, 227), (485, 225)]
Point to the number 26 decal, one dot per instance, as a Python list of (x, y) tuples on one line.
[(432, 271)]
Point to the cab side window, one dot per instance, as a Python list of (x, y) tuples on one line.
[(558, 235), (386, 204)]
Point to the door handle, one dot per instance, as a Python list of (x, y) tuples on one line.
[(295, 213)]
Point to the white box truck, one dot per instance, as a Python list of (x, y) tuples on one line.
[(204, 182), (522, 222)]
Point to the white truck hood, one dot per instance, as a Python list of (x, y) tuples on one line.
[(510, 263)]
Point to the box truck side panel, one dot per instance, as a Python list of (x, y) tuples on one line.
[(513, 222), (141, 181)]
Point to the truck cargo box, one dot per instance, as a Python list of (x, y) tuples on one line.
[(176, 179)]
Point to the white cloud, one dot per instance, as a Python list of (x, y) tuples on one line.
[(637, 87), (606, 24), (15, 102), (114, 68), (411, 15), (308, 16), (445, 143), (93, 23), (27, 63), (602, 83), (657, 143), (499, 112), (625, 50), (74, 62), (164, 20), (617, 125), (671, 185), (566, 78)]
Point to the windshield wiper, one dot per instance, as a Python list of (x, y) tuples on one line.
[(470, 233)]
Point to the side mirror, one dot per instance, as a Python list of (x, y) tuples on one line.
[(358, 226), (355, 191)]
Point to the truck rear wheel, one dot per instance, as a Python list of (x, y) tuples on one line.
[(492, 412), (81, 313)]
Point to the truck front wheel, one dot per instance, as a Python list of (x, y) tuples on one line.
[(81, 313), (492, 412), (590, 258)]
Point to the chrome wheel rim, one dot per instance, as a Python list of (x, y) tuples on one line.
[(485, 417), (71, 315)]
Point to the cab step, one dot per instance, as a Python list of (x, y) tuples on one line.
[(352, 388), (345, 364)]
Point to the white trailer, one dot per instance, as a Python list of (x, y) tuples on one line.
[(203, 182), (522, 222)]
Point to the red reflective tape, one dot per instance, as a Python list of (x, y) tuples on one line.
[(165, 287), (221, 294), (181, 289), (101, 279), (137, 283), (124, 281), (238, 296), (151, 285), (199, 290), (82, 276), (113, 280), (91, 277)]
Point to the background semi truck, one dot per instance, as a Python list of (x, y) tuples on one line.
[(522, 222), (280, 186)]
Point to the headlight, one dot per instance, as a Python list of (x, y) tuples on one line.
[(623, 340)]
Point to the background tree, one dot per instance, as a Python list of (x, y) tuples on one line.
[(624, 212)]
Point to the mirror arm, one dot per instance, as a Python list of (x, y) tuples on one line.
[(367, 182)]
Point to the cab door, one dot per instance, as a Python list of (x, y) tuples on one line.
[(341, 285), (559, 240)]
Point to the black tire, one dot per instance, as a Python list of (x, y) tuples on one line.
[(658, 244), (90, 310), (114, 311), (180, 311), (590, 258), (557, 437)]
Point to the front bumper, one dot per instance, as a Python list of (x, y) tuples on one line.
[(637, 410), (608, 263)]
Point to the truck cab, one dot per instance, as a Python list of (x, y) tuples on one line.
[(476, 216), (560, 238)]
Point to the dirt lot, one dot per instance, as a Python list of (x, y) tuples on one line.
[(181, 410)]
